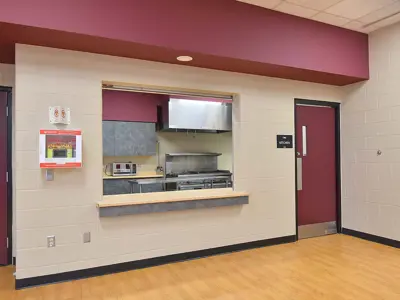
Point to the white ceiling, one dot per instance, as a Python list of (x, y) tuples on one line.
[(359, 15)]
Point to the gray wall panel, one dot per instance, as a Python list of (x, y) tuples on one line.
[(135, 139), (116, 186), (108, 138), (170, 206)]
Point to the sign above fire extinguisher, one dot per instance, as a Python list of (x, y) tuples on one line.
[(59, 115)]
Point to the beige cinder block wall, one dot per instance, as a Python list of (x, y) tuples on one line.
[(66, 208), (371, 122), (7, 79)]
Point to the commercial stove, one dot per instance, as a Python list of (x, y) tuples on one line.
[(194, 180), (186, 181)]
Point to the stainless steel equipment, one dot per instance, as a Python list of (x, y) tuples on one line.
[(221, 179), (185, 162), (187, 171), (123, 169), (199, 170), (196, 115), (192, 181), (194, 154), (200, 180)]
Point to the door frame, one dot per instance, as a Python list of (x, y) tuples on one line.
[(336, 106), (8, 90)]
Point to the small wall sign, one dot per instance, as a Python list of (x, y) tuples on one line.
[(59, 115), (284, 141)]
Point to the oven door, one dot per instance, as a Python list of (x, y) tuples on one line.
[(221, 185), (191, 186)]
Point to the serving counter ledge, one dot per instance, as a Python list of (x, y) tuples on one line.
[(131, 204)]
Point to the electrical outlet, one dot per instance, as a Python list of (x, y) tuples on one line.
[(86, 237), (51, 241), (49, 174)]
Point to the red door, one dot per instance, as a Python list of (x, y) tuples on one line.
[(3, 183), (316, 170)]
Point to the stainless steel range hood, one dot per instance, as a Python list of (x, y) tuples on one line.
[(186, 115)]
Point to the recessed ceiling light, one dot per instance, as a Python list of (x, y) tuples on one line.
[(184, 58)]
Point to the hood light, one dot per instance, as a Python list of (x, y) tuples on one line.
[(184, 58)]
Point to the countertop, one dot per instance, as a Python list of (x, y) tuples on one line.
[(177, 179), (168, 197), (137, 176)]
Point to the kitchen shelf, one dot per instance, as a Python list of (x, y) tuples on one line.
[(194, 154)]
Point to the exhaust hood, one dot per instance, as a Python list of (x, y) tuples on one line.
[(184, 115)]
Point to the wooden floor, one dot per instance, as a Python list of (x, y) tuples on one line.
[(333, 267)]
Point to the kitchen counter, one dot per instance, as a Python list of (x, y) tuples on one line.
[(137, 176), (120, 205)]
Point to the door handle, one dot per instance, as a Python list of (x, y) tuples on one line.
[(304, 144), (299, 162)]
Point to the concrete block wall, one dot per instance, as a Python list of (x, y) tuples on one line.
[(371, 122), (66, 207)]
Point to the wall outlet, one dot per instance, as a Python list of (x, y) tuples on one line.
[(49, 175), (51, 241), (86, 237)]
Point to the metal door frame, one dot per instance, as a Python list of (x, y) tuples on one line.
[(336, 106), (8, 90)]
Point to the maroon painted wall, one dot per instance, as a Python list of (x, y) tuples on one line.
[(138, 107), (220, 30), (128, 106)]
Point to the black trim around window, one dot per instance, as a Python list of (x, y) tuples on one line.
[(8, 90)]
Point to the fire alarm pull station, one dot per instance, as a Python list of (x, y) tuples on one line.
[(60, 149)]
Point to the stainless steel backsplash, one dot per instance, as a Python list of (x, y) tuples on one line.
[(187, 163)]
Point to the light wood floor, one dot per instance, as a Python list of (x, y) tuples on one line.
[(334, 267)]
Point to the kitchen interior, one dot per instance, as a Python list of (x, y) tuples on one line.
[(160, 142)]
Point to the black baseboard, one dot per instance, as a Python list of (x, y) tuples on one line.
[(145, 263), (14, 261), (372, 238)]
